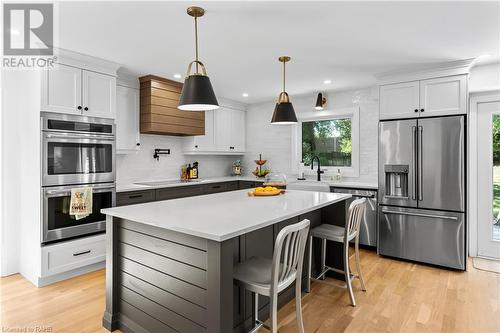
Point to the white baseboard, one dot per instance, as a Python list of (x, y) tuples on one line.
[(47, 280)]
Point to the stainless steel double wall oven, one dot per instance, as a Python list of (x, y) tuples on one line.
[(77, 151)]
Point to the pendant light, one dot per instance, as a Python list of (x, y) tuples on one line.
[(320, 102), (284, 114), (197, 93)]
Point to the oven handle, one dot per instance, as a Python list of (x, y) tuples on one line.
[(97, 189), (80, 136)]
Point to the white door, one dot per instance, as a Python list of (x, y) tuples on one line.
[(237, 131), (206, 142), (222, 119), (443, 96), (127, 119), (400, 100), (62, 90), (488, 179), (99, 94)]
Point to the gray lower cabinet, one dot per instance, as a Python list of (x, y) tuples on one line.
[(135, 197), (216, 188), (178, 192)]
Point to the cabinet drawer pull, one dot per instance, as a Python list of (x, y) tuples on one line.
[(81, 253), (135, 196), (86, 108), (422, 110), (79, 107)]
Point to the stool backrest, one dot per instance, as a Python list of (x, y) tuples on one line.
[(355, 216), (290, 245)]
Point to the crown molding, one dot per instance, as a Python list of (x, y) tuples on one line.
[(80, 60), (426, 72)]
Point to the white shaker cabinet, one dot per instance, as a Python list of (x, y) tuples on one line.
[(424, 98), (443, 96), (62, 90), (224, 134), (400, 100), (73, 90), (98, 94), (238, 130), (127, 120), (204, 143)]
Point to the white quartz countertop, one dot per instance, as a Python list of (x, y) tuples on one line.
[(124, 187), (222, 216)]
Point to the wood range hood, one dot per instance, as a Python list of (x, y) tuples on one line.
[(159, 113)]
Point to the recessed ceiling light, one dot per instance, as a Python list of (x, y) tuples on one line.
[(327, 81), (177, 76), (244, 95)]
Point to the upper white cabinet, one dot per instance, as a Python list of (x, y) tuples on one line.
[(68, 89), (204, 143), (127, 119), (98, 94), (443, 96), (62, 90), (224, 133), (400, 100), (424, 98)]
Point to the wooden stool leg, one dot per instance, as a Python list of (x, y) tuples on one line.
[(347, 273)]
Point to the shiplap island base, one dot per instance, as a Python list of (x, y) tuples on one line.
[(169, 264)]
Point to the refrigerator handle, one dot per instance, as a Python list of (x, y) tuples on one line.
[(414, 156), (420, 164)]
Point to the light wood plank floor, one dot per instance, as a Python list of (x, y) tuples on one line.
[(401, 297)]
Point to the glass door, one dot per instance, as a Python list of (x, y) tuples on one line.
[(488, 121)]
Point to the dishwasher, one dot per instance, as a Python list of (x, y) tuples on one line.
[(368, 228)]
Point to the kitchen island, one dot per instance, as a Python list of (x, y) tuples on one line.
[(169, 264)]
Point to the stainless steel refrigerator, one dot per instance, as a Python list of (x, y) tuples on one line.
[(422, 190)]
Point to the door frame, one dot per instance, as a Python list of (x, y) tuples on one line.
[(472, 204)]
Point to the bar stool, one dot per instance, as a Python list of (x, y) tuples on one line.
[(341, 235), (269, 277)]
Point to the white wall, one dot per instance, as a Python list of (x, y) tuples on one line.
[(141, 165), (274, 141)]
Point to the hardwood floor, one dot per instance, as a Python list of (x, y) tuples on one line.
[(401, 297)]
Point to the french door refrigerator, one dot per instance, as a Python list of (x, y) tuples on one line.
[(422, 190)]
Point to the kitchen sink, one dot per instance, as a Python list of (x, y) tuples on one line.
[(168, 182)]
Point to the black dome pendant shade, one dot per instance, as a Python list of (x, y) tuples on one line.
[(197, 93), (284, 113)]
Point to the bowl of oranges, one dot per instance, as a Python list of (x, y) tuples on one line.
[(266, 191)]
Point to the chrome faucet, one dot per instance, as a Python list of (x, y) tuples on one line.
[(319, 171)]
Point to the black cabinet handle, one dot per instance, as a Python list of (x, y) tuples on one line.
[(80, 253), (416, 110), (135, 196), (138, 144), (231, 147), (79, 107), (421, 110), (86, 108), (196, 146)]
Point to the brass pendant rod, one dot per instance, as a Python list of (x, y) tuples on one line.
[(284, 71), (196, 41)]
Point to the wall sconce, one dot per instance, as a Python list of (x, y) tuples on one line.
[(320, 102)]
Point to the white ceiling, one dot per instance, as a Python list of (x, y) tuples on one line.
[(347, 42)]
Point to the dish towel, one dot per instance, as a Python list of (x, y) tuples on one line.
[(81, 202)]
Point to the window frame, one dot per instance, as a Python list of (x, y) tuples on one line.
[(353, 114)]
